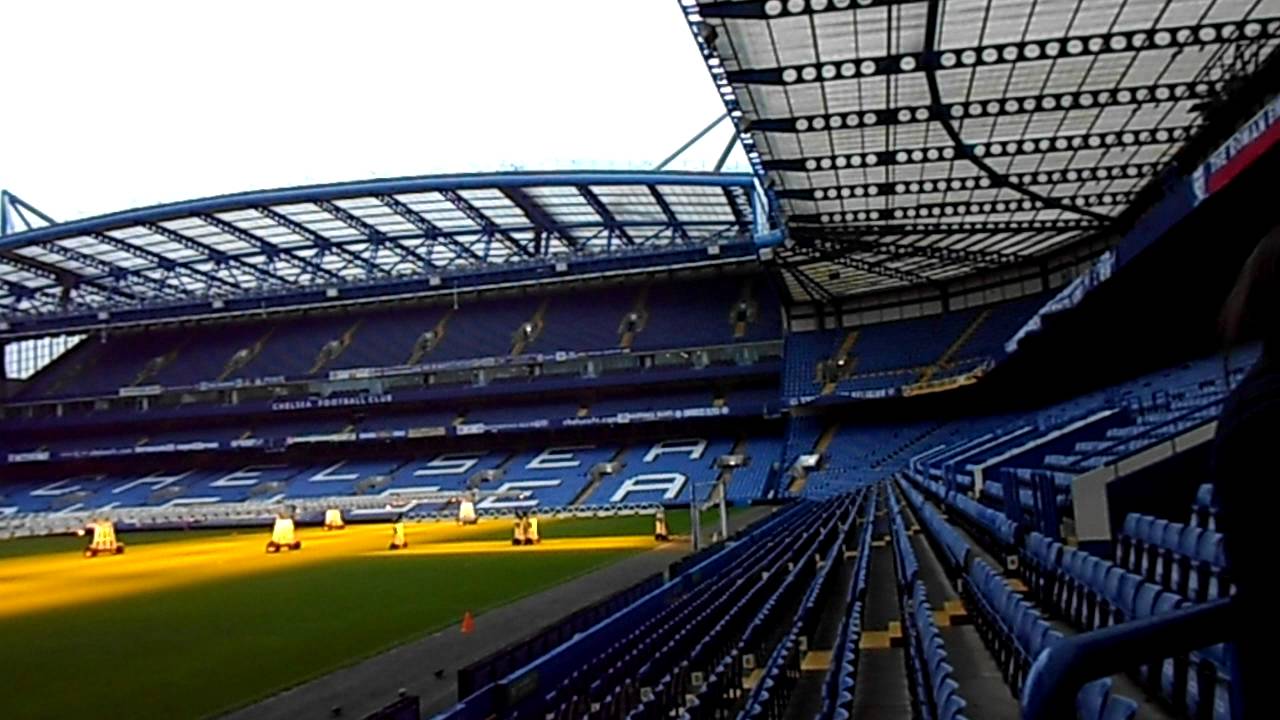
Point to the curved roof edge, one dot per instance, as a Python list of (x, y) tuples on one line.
[(363, 235), (357, 188)]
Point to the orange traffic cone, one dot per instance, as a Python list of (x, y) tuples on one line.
[(468, 623)]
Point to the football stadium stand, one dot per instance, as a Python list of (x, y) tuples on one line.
[(956, 330)]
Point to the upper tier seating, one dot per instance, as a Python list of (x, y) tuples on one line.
[(680, 314), (1058, 441), (895, 354)]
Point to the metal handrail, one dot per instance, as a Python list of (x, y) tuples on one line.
[(1060, 671)]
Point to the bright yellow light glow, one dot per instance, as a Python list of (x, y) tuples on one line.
[(42, 582)]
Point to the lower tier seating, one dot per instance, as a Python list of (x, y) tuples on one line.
[(541, 477)]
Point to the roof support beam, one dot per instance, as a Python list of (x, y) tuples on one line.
[(118, 276), (676, 226), (960, 209), (814, 289), (486, 224), (165, 263), (272, 250), (1045, 177), (539, 217), (429, 229), (839, 243), (376, 238), (218, 257), (610, 221), (745, 222), (952, 229), (903, 276), (769, 9), (1127, 96), (972, 153), (66, 279), (1172, 37), (995, 149)]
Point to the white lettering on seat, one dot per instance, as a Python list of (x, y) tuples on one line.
[(669, 483), (693, 447)]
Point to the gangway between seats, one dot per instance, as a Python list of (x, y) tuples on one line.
[(944, 361), (634, 321), (244, 356)]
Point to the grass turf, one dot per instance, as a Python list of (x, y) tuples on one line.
[(573, 527), (27, 547), (203, 649)]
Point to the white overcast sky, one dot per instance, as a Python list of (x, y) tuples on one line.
[(114, 105)]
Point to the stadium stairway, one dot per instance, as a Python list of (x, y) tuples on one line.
[(842, 361), (634, 321), (944, 362), (431, 340), (824, 441), (333, 349), (529, 331), (880, 689), (242, 357), (973, 668), (593, 484), (745, 311)]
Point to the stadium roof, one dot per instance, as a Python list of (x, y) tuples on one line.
[(334, 236), (907, 142)]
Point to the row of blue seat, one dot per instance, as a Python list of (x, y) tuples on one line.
[(1017, 633), (1091, 592), (771, 695), (1183, 558), (985, 520), (955, 550), (1014, 632), (1204, 509), (935, 691), (703, 655), (842, 677), (635, 672)]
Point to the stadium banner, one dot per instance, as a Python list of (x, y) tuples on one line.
[(1067, 298), (626, 418), (140, 391), (426, 432), (193, 446), (875, 394), (236, 384), (471, 364), (316, 439), (26, 457), (485, 428), (314, 403), (1238, 152), (381, 434)]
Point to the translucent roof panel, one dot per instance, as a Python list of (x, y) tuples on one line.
[(862, 115), (361, 233)]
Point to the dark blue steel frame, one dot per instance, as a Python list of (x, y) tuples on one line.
[(266, 275)]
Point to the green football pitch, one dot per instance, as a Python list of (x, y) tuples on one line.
[(195, 624)]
